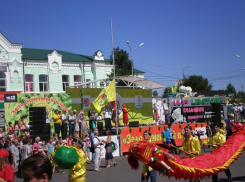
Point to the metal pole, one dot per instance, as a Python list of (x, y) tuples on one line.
[(132, 63), (114, 74)]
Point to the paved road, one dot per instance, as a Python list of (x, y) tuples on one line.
[(123, 173)]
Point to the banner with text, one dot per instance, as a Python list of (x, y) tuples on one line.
[(15, 110), (136, 134)]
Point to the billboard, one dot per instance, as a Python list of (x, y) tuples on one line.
[(15, 110), (138, 101), (136, 134)]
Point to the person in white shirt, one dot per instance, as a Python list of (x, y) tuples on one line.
[(234, 108), (64, 118), (71, 121), (241, 111), (48, 128), (99, 120), (107, 115), (97, 148), (165, 108)]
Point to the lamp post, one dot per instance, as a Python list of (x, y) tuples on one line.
[(131, 55), (184, 70)]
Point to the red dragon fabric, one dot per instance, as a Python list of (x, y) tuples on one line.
[(199, 167)]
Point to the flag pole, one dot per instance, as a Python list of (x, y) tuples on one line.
[(114, 75)]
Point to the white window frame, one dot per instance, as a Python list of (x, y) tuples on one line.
[(90, 85), (77, 83), (65, 84), (43, 84)]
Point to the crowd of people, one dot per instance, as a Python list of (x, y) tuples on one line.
[(17, 148), (17, 145)]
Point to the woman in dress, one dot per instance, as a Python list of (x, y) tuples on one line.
[(125, 115), (108, 155), (84, 126), (76, 124)]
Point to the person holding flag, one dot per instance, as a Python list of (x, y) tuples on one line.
[(108, 94)]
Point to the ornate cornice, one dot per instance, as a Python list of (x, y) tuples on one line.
[(9, 46)]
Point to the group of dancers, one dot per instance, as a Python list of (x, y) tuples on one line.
[(191, 147)]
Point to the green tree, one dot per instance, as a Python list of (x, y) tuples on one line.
[(197, 83), (230, 90), (165, 93), (154, 93), (122, 63), (240, 96)]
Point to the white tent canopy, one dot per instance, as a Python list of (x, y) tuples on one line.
[(130, 81)]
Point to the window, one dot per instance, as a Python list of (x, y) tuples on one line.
[(29, 83), (43, 83), (65, 81), (2, 81), (77, 80), (89, 84)]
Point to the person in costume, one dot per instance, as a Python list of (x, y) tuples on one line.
[(217, 140), (191, 146), (78, 171), (147, 171), (125, 115)]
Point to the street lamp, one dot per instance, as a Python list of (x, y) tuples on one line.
[(131, 55), (184, 70)]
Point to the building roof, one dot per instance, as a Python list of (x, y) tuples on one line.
[(41, 54)]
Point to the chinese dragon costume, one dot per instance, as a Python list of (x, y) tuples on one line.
[(173, 166)]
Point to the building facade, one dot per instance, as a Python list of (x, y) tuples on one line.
[(49, 71)]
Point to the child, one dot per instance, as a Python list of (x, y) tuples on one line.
[(87, 144), (10, 126), (11, 134), (69, 140), (50, 148), (2, 133)]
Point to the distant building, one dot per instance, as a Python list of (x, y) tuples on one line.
[(49, 71)]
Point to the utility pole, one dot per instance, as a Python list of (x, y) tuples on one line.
[(242, 91)]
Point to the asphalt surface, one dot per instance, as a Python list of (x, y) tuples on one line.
[(123, 173)]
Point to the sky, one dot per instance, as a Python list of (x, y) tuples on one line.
[(205, 34)]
